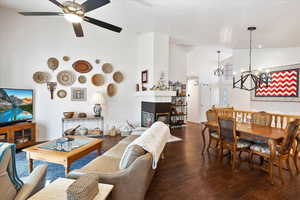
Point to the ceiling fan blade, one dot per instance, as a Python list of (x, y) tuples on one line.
[(90, 5), (57, 3), (40, 13), (103, 24), (78, 29)]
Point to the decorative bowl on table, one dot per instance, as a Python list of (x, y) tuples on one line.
[(82, 115), (68, 115)]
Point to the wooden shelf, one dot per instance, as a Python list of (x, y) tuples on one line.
[(82, 118), (178, 115), (178, 105)]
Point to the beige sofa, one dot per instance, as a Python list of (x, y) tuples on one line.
[(130, 183), (32, 184)]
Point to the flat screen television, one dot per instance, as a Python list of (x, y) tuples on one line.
[(16, 105)]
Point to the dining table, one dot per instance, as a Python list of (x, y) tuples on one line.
[(247, 130)]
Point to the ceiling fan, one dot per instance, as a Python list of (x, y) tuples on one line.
[(75, 13)]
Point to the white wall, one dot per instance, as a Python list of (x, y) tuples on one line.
[(178, 63), (153, 55), (27, 43), (201, 63), (264, 58), (145, 56), (203, 60), (161, 56)]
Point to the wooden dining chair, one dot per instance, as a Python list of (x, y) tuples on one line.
[(224, 111), (263, 119), (296, 152), (276, 153), (230, 140), (212, 116)]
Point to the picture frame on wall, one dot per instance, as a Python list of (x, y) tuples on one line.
[(78, 94), (145, 76), (283, 86)]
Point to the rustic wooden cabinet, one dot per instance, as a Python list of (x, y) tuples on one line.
[(22, 134)]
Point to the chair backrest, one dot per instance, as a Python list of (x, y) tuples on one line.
[(291, 134), (261, 118), (227, 129), (224, 111), (211, 116)]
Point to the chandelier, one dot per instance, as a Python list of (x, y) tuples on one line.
[(219, 71), (251, 79)]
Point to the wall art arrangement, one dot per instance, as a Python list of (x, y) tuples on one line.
[(283, 85), (68, 77)]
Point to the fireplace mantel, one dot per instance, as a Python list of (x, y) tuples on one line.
[(156, 96)]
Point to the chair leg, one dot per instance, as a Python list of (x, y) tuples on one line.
[(296, 162), (250, 160), (261, 160), (289, 165), (217, 143), (271, 171), (221, 151), (240, 153), (280, 171), (233, 158), (209, 143)]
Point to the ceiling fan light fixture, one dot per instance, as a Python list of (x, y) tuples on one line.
[(73, 18)]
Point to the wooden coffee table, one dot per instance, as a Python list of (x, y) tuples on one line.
[(63, 158)]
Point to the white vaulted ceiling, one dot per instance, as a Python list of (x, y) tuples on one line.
[(198, 22)]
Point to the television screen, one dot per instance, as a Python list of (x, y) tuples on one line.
[(15, 105)]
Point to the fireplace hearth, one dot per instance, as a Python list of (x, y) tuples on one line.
[(154, 111)]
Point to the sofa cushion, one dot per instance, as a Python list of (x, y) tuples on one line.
[(7, 188), (129, 139), (103, 164), (116, 151), (133, 153)]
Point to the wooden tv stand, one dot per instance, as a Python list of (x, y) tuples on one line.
[(21, 134)]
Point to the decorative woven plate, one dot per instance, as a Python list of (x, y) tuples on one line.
[(118, 77), (53, 63), (111, 90), (107, 68), (66, 58), (82, 79), (98, 80), (66, 78), (41, 77), (82, 66), (61, 93)]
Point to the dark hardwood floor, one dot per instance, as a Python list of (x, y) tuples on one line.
[(186, 175)]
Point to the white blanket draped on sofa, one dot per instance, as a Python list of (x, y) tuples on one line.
[(152, 140)]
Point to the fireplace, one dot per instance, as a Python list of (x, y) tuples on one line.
[(152, 112)]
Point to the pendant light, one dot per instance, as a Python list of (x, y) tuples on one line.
[(219, 71), (251, 79)]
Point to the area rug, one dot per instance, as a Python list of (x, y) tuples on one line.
[(54, 170), (174, 139)]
